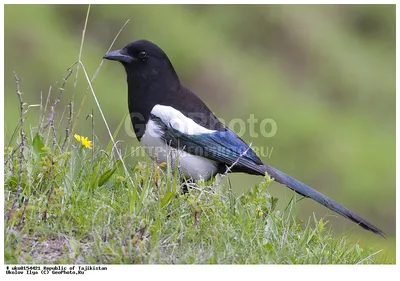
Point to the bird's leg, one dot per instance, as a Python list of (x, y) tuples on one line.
[(186, 184)]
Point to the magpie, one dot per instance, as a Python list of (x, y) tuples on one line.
[(173, 124)]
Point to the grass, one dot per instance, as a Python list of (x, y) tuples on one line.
[(68, 201), (73, 213)]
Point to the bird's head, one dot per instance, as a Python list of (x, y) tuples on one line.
[(143, 59)]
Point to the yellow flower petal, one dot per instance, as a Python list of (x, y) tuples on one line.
[(84, 141)]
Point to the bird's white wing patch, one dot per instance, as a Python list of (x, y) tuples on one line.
[(175, 119), (192, 166)]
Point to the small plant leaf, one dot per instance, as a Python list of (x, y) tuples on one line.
[(166, 198), (106, 176), (38, 144)]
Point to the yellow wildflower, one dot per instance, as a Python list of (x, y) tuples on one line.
[(84, 141)]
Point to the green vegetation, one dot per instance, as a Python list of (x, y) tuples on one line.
[(325, 74), (74, 203)]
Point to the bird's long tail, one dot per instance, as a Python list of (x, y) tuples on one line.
[(307, 191)]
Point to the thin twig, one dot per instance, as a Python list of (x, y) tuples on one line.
[(95, 73), (41, 111), (13, 134), (78, 68), (61, 118), (54, 134), (62, 88), (228, 170), (92, 126), (41, 124), (12, 154), (21, 218), (81, 49), (50, 193), (67, 129), (22, 146), (15, 131), (50, 119), (92, 139)]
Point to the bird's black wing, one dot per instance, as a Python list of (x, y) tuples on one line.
[(224, 147)]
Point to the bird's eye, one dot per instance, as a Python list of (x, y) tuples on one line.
[(142, 55)]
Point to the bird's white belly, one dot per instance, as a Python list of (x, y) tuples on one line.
[(189, 165)]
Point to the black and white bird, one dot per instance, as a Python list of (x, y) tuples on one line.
[(171, 122)]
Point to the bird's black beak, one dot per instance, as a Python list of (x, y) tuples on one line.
[(118, 55)]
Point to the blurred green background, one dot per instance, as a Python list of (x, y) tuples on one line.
[(325, 74)]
